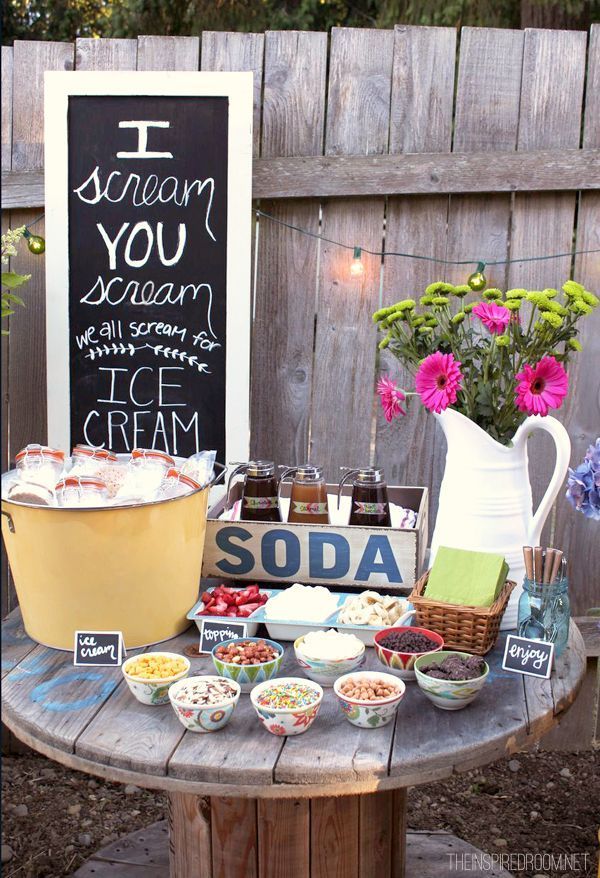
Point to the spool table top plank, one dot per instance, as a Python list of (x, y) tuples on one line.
[(89, 721)]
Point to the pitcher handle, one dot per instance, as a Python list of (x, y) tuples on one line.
[(563, 456)]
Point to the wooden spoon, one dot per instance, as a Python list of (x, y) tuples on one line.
[(548, 564), (538, 563)]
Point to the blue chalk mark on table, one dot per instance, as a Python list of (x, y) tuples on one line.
[(40, 693), (31, 667)]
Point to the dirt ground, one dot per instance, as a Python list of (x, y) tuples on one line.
[(54, 818)]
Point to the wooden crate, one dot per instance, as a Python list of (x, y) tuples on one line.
[(335, 555)]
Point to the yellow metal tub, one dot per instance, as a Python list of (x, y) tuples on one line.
[(134, 569)]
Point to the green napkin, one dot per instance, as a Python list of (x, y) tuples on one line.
[(459, 576)]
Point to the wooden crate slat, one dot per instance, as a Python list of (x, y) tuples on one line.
[(107, 54), (334, 837), (421, 116), (190, 852), (282, 349), (168, 53), (234, 838), (360, 72), (577, 535)]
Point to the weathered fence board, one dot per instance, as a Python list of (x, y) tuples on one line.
[(358, 115), (421, 118), (282, 352), (368, 125)]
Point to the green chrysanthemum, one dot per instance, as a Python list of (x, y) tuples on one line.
[(516, 294), (575, 345), (385, 342), (557, 308), (590, 299), (381, 314), (425, 300), (512, 304), (538, 298), (424, 330), (580, 306), (553, 319), (462, 290), (430, 320), (550, 293), (493, 294), (469, 307), (439, 286), (458, 318), (406, 305), (440, 301), (502, 341), (573, 290), (417, 321)]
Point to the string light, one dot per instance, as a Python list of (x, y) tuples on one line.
[(478, 276), (357, 268), (35, 243), (478, 281)]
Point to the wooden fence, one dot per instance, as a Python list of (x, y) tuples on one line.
[(365, 135)]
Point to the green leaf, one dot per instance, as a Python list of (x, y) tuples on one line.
[(12, 280)]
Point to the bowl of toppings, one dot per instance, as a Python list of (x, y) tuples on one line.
[(369, 699), (299, 609), (249, 661), (451, 680), (399, 648), (150, 675), (287, 706), (204, 704), (227, 602), (326, 655), (366, 613)]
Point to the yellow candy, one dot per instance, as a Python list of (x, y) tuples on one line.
[(155, 667)]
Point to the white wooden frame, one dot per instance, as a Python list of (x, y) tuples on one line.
[(237, 87)]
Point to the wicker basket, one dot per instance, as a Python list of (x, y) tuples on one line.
[(470, 629)]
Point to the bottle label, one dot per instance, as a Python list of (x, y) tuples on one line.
[(260, 503), (370, 508), (309, 508)]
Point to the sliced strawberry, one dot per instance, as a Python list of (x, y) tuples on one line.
[(247, 610)]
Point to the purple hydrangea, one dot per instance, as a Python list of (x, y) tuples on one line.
[(583, 490)]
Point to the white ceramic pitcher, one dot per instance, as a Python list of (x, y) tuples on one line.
[(485, 498)]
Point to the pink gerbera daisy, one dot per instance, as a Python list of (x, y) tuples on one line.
[(391, 398), (438, 381), (494, 317), (541, 387)]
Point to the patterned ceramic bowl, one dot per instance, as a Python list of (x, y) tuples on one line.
[(370, 714), (402, 663), (153, 691), (286, 720), (327, 671), (448, 694), (203, 719), (248, 675)]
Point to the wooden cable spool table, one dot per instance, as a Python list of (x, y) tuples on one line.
[(243, 803)]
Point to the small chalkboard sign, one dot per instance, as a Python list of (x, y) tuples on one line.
[(213, 632), (148, 227), (530, 657), (98, 648)]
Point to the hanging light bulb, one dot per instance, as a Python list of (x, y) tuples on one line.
[(35, 243), (357, 268), (478, 281)]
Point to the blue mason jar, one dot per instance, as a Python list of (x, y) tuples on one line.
[(545, 612)]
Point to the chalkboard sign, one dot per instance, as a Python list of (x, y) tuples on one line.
[(148, 267), (213, 633), (530, 657), (98, 648)]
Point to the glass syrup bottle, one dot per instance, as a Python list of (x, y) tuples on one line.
[(370, 506), (308, 500), (260, 499)]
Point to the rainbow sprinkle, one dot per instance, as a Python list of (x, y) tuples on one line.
[(288, 695)]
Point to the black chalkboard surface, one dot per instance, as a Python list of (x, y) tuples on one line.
[(147, 240), (530, 657), (98, 648)]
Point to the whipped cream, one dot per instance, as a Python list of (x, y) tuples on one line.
[(331, 645), (302, 603)]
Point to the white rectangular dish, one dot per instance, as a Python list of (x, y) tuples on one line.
[(251, 621)]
